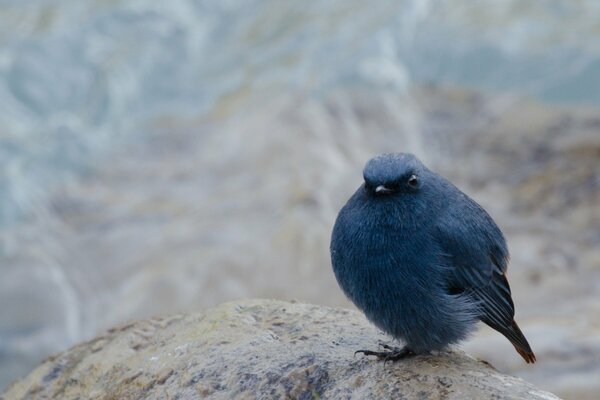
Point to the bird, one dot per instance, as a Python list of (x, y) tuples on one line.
[(422, 260)]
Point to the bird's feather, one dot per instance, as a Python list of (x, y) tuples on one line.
[(479, 258)]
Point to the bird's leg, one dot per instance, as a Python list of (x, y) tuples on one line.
[(388, 347), (393, 353)]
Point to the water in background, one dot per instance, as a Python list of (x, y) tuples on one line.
[(170, 156)]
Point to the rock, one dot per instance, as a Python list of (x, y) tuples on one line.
[(258, 349)]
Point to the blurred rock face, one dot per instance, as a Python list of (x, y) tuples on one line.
[(173, 224), (160, 158)]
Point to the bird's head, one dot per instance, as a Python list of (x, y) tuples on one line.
[(392, 173)]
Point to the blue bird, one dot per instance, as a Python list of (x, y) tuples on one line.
[(422, 260)]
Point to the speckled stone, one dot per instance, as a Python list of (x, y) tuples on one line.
[(258, 349)]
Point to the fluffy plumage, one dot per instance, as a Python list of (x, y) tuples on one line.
[(421, 259)]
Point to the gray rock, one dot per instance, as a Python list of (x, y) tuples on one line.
[(258, 349)]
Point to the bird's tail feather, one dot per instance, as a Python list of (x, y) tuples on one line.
[(516, 337)]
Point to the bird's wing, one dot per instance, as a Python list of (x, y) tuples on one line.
[(478, 257)]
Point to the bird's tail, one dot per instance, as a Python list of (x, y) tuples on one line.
[(516, 337)]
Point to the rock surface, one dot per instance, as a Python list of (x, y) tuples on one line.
[(258, 349)]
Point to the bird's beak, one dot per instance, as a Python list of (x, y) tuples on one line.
[(381, 189)]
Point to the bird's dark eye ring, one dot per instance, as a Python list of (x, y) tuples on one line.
[(413, 181)]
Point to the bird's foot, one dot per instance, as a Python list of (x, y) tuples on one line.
[(393, 353)]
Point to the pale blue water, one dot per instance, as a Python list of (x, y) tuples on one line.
[(77, 77), (81, 79)]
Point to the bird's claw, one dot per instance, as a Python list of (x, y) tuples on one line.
[(394, 353)]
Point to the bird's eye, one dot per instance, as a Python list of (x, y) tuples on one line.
[(413, 181)]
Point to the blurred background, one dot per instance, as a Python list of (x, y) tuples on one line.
[(159, 157)]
